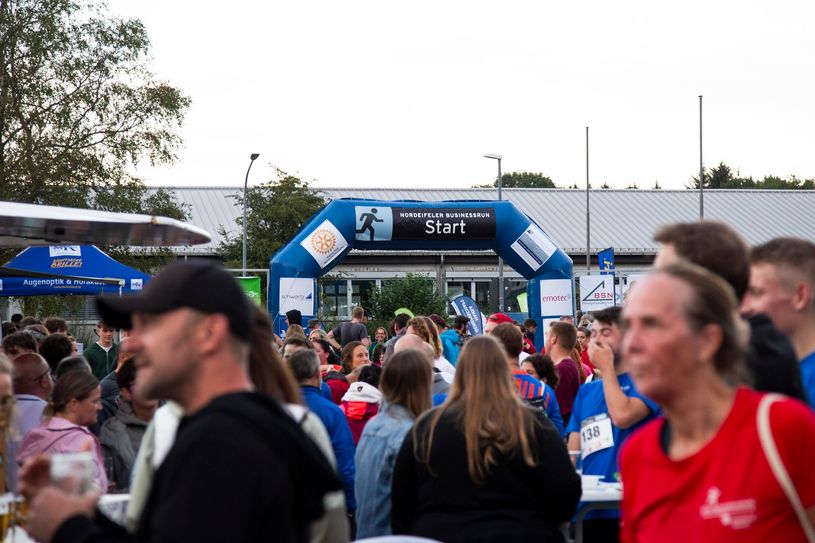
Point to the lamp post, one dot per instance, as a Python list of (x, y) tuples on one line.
[(493, 156), (252, 159)]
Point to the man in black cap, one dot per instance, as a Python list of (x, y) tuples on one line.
[(237, 455)]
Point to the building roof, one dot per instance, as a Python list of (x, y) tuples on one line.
[(623, 219)]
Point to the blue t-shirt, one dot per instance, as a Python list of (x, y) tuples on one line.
[(591, 401), (808, 377)]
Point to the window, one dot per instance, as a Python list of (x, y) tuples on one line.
[(334, 298), (361, 292)]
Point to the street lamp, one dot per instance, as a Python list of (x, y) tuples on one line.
[(252, 159), (494, 156)]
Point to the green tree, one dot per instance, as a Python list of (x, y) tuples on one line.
[(276, 210), (722, 177), (415, 292), (522, 180), (79, 106)]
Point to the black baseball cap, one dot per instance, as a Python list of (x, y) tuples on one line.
[(460, 319), (205, 286)]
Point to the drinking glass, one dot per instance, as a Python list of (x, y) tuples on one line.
[(577, 461)]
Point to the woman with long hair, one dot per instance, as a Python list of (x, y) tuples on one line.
[(427, 330), (405, 385), (271, 375), (267, 370), (517, 483), (75, 402), (354, 355)]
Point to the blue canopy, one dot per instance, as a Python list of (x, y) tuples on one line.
[(70, 269)]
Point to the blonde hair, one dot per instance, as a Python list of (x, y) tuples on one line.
[(426, 329), (295, 330), (487, 410)]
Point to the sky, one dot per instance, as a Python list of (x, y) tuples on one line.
[(381, 93)]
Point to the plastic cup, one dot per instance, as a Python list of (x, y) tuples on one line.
[(72, 472)]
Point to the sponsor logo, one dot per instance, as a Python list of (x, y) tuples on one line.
[(554, 298), (64, 250), (323, 241), (136, 284), (66, 263), (737, 514)]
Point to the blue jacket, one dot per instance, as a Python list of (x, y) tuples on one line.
[(377, 450), (451, 345), (341, 440)]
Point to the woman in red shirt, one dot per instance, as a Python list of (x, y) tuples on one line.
[(700, 473)]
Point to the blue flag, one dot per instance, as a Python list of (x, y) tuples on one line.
[(464, 305), (606, 260)]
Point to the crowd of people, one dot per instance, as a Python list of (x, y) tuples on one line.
[(695, 394)]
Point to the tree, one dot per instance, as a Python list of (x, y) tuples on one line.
[(79, 106), (522, 180), (415, 292), (722, 177), (276, 210)]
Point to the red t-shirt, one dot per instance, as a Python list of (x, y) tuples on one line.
[(568, 383), (726, 491), (584, 357)]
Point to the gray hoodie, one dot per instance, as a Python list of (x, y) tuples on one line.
[(120, 438)]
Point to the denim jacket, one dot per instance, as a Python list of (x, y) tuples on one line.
[(375, 457)]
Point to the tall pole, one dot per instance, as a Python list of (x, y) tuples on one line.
[(588, 214), (252, 159), (701, 167), (500, 259)]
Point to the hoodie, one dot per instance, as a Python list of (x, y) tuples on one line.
[(59, 435), (360, 404), (121, 437)]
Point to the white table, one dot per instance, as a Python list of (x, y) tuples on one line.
[(603, 496)]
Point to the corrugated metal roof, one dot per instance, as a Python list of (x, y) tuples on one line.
[(623, 219)]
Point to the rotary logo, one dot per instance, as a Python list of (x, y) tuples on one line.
[(323, 241)]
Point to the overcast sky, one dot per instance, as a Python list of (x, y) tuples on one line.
[(410, 94)]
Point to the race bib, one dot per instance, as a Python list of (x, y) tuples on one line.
[(595, 434)]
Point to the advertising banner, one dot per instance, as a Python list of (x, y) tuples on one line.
[(325, 243), (534, 247), (251, 286), (296, 293), (606, 260), (385, 223), (464, 305), (556, 297), (596, 292)]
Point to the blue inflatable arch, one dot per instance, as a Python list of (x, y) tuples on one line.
[(347, 224)]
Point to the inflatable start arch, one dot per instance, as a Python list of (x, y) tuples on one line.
[(347, 224)]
